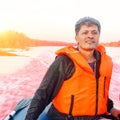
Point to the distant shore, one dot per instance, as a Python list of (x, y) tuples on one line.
[(4, 53)]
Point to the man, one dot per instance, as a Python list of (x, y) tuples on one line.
[(77, 82)]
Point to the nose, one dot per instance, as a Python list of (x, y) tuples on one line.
[(90, 35)]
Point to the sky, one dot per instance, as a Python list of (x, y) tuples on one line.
[(55, 19)]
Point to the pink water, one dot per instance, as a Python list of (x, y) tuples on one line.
[(21, 77)]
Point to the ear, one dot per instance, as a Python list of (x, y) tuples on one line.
[(76, 38)]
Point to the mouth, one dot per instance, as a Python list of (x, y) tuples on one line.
[(90, 42)]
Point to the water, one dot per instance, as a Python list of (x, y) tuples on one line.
[(31, 66), (9, 65), (114, 52)]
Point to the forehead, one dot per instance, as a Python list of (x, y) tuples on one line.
[(89, 27)]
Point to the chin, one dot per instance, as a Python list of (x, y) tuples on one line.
[(91, 47)]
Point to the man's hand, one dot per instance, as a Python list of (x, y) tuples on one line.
[(116, 113)]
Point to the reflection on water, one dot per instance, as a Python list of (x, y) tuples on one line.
[(10, 64), (32, 68), (114, 53)]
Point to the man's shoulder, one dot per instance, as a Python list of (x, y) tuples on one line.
[(63, 57)]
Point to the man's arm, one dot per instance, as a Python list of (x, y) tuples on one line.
[(50, 85)]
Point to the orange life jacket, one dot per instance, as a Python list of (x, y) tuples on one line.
[(78, 94)]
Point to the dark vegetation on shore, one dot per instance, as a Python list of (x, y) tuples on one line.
[(15, 40), (12, 39)]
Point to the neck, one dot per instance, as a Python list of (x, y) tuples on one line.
[(88, 55)]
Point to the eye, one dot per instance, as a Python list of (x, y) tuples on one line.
[(94, 32), (85, 33)]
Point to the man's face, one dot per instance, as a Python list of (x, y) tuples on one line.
[(88, 37)]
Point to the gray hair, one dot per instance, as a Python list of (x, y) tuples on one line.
[(87, 21)]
